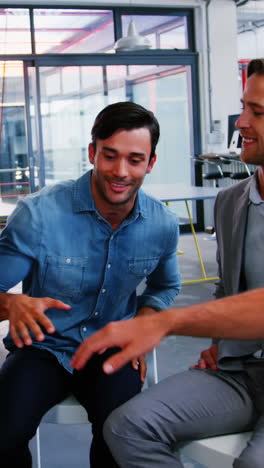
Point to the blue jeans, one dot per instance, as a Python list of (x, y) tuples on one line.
[(32, 381)]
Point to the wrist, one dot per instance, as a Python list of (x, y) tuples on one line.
[(6, 301), (146, 310), (172, 321)]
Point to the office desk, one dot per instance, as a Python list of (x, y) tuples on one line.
[(180, 192), (218, 156)]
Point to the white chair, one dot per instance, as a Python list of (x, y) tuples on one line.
[(69, 411), (217, 452)]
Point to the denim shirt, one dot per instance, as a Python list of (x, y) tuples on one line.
[(58, 244)]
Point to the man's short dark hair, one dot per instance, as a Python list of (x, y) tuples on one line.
[(125, 115), (255, 66)]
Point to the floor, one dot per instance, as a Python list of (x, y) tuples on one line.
[(65, 446)]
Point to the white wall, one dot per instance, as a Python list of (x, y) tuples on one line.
[(251, 44), (223, 64)]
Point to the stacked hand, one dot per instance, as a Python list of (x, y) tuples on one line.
[(26, 314), (134, 336)]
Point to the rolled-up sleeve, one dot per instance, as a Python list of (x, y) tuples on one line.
[(164, 283)]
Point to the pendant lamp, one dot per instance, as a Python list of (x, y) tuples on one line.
[(133, 40)]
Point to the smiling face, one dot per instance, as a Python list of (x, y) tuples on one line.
[(120, 165), (251, 121)]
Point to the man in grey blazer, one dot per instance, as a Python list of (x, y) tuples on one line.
[(221, 394)]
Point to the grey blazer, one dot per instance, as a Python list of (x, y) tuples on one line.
[(231, 209)]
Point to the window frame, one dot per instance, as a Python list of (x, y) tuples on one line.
[(146, 57)]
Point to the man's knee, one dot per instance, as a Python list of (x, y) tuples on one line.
[(121, 423), (128, 422), (135, 420)]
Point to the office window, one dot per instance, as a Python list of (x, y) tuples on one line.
[(14, 170), (50, 99), (69, 107), (60, 31), (15, 31), (164, 32)]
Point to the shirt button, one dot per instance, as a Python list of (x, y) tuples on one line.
[(96, 313), (68, 260), (111, 238), (103, 290), (84, 329), (145, 270), (109, 265)]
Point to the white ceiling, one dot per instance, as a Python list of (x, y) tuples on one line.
[(250, 15)]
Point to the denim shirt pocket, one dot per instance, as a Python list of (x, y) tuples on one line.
[(143, 267), (63, 276)]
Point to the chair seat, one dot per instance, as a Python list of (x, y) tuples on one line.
[(217, 452), (69, 411)]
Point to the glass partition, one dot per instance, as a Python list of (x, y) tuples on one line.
[(15, 35), (163, 32), (60, 31), (14, 168), (69, 108), (51, 94)]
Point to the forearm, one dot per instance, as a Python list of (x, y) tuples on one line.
[(240, 317)]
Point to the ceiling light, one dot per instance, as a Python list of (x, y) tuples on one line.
[(133, 40)]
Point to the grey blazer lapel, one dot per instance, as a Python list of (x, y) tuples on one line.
[(238, 235)]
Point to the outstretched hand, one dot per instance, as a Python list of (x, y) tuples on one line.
[(135, 337), (27, 314)]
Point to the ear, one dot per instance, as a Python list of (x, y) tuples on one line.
[(151, 163), (91, 153)]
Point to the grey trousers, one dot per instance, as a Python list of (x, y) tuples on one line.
[(147, 431)]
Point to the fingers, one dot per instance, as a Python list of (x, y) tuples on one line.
[(209, 358), (18, 342), (55, 303), (82, 355), (42, 319), (33, 326), (23, 332), (214, 352), (20, 332), (140, 364), (143, 368), (201, 364), (117, 361), (46, 323), (98, 343), (135, 363)]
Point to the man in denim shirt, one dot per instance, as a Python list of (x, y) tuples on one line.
[(81, 249)]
